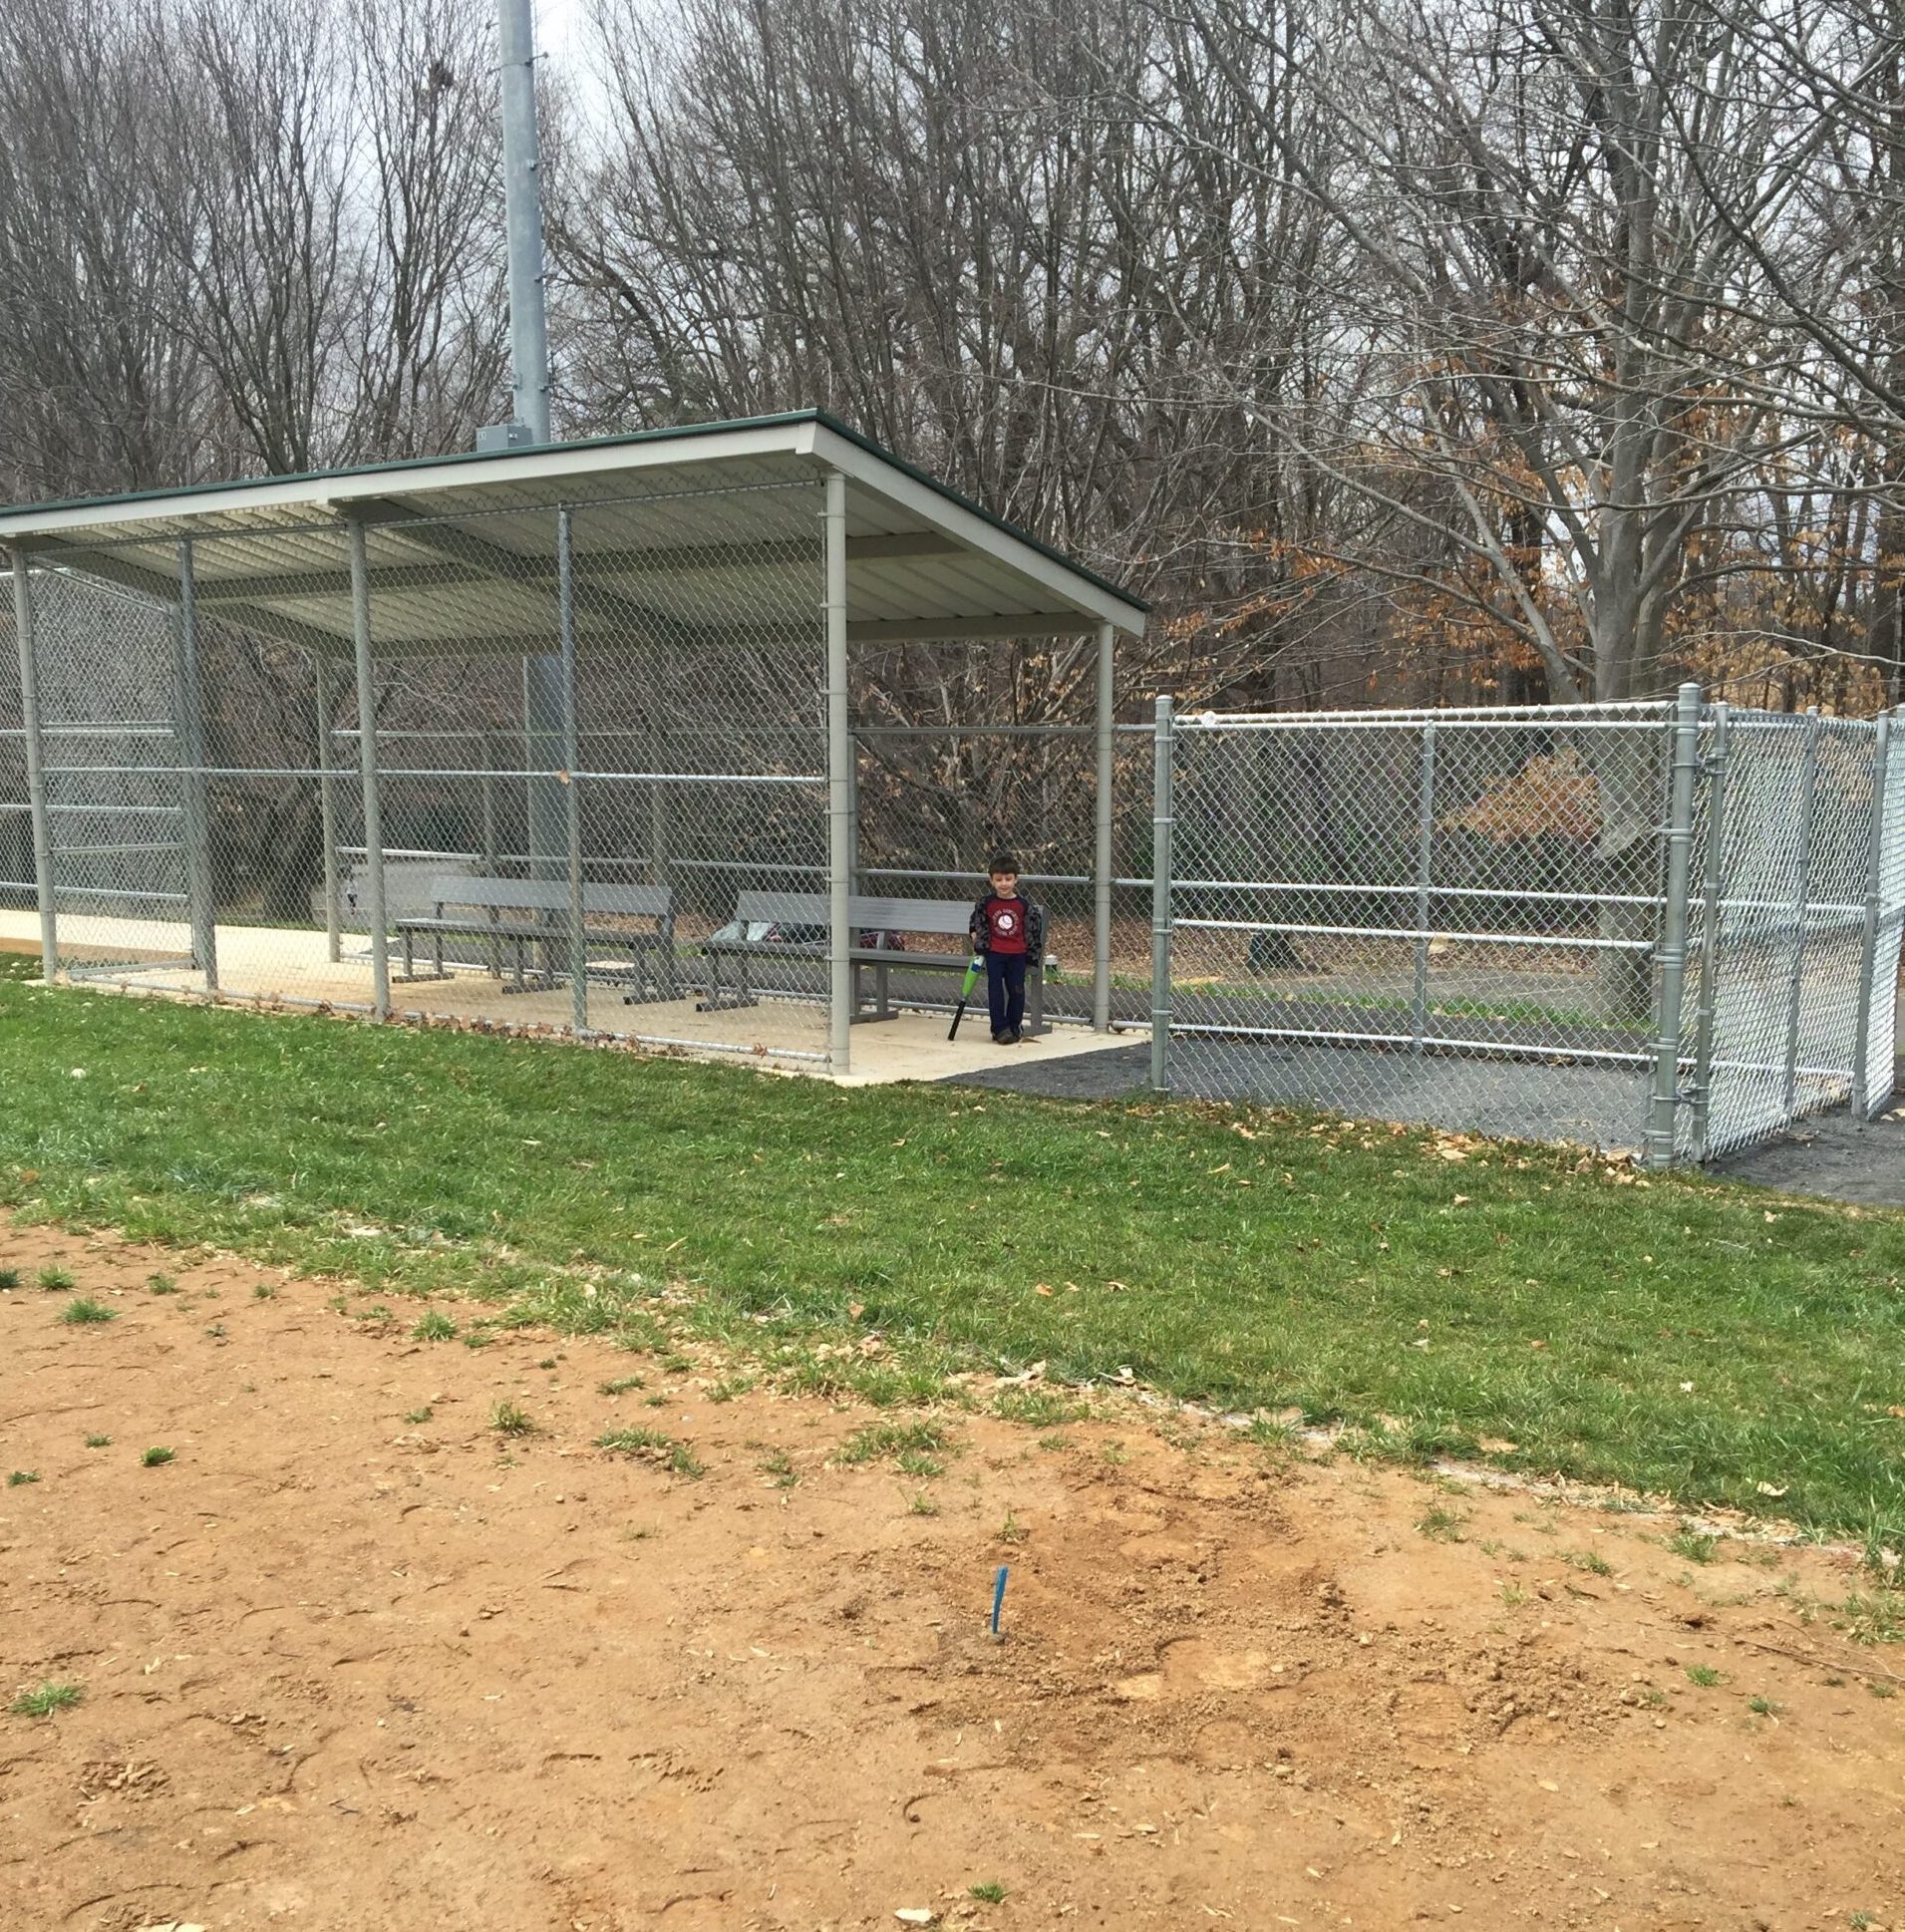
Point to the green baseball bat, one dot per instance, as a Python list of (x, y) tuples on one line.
[(965, 992)]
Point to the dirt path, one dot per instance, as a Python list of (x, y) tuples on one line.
[(342, 1669)]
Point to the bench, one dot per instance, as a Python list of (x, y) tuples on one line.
[(730, 979), (515, 915)]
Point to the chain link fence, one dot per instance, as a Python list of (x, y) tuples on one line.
[(590, 749), (1515, 922), (590, 744)]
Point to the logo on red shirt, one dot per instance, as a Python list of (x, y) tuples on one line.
[(1005, 923)]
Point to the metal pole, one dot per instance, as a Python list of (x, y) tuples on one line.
[(1808, 812), (190, 739), (36, 769), (839, 786), (1101, 870), (367, 767), (1712, 887), (571, 763), (1868, 947), (1425, 834), (1163, 751), (1673, 943), (327, 807), (522, 216)]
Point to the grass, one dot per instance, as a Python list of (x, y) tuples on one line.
[(45, 1698), (653, 1445), (162, 1285), (54, 1278), (19, 1478), (436, 1326), (778, 1466), (510, 1419), (82, 1313), (1441, 1526), (1693, 1545), (155, 1458), (908, 1445), (620, 1386), (9, 1279), (991, 1892), (98, 1441), (1271, 1262), (416, 1416), (1703, 1675)]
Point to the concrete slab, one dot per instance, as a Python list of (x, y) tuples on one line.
[(278, 965)]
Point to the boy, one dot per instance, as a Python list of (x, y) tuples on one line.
[(1008, 930)]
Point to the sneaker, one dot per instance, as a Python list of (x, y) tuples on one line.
[(1014, 1037), (1002, 1039)]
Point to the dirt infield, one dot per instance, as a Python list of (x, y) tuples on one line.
[(355, 1657)]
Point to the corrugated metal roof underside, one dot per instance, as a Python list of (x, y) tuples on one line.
[(670, 554)]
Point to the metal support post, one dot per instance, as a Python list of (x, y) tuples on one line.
[(571, 763), (367, 767), (1868, 947), (1163, 752), (522, 215), (1713, 887), (1425, 854), (487, 796), (839, 786), (1673, 943), (327, 805), (190, 736), (1101, 870), (36, 769), (1796, 992)]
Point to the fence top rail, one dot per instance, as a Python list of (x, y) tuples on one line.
[(1639, 711)]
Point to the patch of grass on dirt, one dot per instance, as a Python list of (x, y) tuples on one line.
[(1693, 1544), (892, 1443), (9, 1279), (98, 1441), (653, 1445), (45, 1698), (19, 1478), (512, 1418), (82, 1313), (162, 1285), (416, 1417), (1703, 1675), (620, 1386), (1441, 1526), (157, 1458), (54, 1279), (1569, 1301), (435, 1326)]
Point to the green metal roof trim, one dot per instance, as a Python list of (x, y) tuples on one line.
[(682, 432)]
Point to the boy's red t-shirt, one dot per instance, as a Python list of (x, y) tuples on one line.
[(1005, 924)]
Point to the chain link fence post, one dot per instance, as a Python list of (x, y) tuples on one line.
[(1712, 884), (327, 804), (571, 767), (1862, 1108), (1674, 922), (1803, 894), (840, 774), (367, 767), (188, 736), (36, 769), (1102, 806), (1163, 752), (1424, 859)]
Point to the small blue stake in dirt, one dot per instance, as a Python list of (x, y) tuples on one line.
[(998, 1596)]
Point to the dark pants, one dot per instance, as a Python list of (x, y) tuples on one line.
[(1005, 990)]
